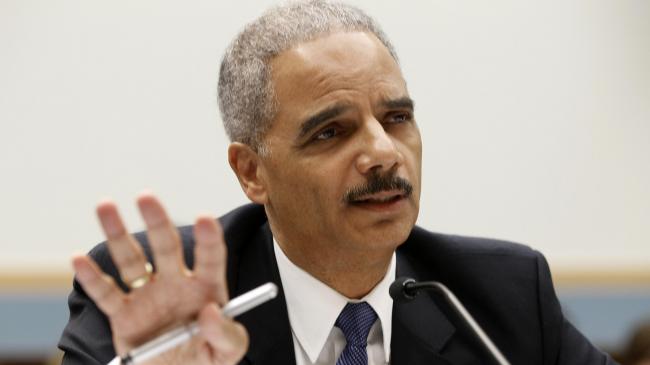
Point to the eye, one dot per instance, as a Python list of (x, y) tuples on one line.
[(399, 117), (327, 133)]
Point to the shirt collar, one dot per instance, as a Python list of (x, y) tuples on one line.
[(306, 295)]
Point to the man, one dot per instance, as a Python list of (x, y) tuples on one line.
[(326, 144)]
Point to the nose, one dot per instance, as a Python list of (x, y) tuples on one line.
[(378, 152)]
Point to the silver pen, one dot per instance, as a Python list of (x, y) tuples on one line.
[(175, 337)]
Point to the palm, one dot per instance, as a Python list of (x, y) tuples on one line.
[(151, 309)]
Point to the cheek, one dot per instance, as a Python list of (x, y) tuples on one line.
[(303, 187), (415, 146), (411, 147), (321, 181), (415, 141), (314, 182)]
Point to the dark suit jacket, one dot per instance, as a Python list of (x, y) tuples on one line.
[(505, 286)]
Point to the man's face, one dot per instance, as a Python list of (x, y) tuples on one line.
[(343, 172)]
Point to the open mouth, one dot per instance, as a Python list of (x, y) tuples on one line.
[(379, 199)]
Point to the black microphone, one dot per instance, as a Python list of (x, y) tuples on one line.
[(405, 289)]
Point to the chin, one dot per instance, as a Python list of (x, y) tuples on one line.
[(378, 230), (389, 235)]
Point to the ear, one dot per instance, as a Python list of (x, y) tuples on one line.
[(246, 164)]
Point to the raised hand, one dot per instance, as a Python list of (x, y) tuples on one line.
[(172, 295)]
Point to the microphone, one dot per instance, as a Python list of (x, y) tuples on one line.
[(405, 289)]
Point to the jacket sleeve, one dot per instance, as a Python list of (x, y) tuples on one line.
[(563, 343), (87, 337)]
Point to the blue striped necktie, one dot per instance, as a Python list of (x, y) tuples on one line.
[(355, 321)]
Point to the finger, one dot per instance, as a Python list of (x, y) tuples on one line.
[(125, 251), (228, 339), (100, 287), (163, 237), (210, 256)]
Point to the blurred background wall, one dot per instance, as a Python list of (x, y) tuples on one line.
[(535, 119)]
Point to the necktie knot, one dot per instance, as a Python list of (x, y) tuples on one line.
[(355, 321)]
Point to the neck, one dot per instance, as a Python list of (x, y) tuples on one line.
[(352, 274), (352, 284)]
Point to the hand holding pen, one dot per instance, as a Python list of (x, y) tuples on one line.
[(173, 295)]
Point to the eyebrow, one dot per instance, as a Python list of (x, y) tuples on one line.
[(399, 103), (322, 117)]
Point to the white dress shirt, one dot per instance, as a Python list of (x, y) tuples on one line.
[(314, 307)]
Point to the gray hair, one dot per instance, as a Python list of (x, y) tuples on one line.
[(246, 97)]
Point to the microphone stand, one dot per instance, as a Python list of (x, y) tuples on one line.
[(409, 290)]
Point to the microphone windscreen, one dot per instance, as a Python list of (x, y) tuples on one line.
[(397, 289)]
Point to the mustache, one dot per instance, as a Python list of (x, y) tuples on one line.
[(377, 183)]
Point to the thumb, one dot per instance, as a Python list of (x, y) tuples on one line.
[(227, 338)]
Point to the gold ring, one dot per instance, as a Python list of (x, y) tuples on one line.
[(139, 282)]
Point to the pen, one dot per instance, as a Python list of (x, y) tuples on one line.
[(175, 337)]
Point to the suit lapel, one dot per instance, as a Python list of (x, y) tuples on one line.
[(422, 330), (271, 340)]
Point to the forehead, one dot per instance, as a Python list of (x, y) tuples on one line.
[(350, 67)]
